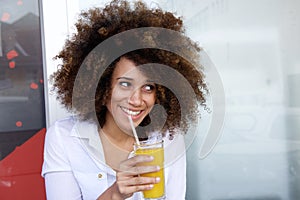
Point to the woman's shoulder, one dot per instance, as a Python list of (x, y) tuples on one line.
[(63, 125), (174, 147), (173, 138), (69, 126)]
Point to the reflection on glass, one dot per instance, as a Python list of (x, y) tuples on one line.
[(21, 73)]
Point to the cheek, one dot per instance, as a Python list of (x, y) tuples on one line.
[(108, 105), (118, 95), (151, 100), (114, 97)]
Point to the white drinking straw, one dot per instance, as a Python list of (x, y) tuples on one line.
[(134, 131)]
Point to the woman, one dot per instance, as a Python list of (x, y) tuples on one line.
[(89, 155)]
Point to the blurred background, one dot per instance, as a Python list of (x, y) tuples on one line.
[(254, 46)]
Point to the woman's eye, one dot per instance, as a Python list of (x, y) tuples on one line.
[(149, 88), (125, 84)]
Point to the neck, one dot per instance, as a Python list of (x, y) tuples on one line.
[(116, 136)]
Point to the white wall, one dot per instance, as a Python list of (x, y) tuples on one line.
[(56, 29)]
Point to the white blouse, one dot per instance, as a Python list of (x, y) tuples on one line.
[(74, 166)]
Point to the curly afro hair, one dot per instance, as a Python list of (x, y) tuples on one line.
[(97, 25)]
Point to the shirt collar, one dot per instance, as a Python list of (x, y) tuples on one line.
[(86, 130), (87, 133)]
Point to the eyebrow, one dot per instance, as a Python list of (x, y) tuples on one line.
[(150, 81), (130, 79)]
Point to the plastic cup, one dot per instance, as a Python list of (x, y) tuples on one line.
[(155, 149)]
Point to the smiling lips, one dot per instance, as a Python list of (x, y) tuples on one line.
[(130, 112)]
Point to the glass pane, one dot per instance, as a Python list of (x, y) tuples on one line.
[(22, 109), (255, 47)]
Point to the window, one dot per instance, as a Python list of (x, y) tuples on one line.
[(22, 109)]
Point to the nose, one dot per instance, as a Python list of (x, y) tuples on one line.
[(136, 98)]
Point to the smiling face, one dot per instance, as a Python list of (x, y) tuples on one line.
[(132, 95)]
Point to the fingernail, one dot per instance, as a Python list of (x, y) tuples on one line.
[(157, 168), (151, 186), (157, 179)]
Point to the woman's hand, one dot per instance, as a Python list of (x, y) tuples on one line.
[(128, 180)]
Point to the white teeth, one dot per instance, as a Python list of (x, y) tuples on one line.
[(129, 112)]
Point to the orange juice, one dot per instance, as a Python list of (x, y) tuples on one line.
[(158, 190)]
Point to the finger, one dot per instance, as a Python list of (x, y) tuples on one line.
[(137, 159), (137, 170), (136, 184), (136, 180), (140, 180), (145, 169), (135, 188)]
